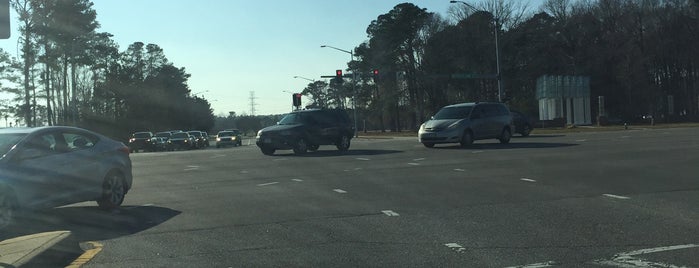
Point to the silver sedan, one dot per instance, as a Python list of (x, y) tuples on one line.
[(47, 167)]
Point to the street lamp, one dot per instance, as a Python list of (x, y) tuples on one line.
[(354, 92), (312, 80), (497, 48)]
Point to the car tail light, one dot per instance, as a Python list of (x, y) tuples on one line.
[(124, 149)]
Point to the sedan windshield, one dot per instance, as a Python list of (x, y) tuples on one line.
[(226, 134), (453, 113), (180, 135), (141, 135), (291, 119), (7, 141)]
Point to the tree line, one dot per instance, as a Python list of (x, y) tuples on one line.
[(636, 53), (69, 73)]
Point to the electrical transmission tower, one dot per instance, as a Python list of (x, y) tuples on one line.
[(252, 103)]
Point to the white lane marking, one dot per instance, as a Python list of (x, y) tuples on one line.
[(528, 180), (390, 213), (459, 169), (625, 137), (190, 169), (581, 140), (340, 191), (297, 180), (616, 196), (217, 156), (244, 171), (477, 152), (362, 159), (280, 159), (628, 259), (346, 170), (193, 166), (357, 168), (456, 247), (269, 183), (535, 265), (414, 164), (419, 159)]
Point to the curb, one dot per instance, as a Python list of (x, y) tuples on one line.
[(20, 250)]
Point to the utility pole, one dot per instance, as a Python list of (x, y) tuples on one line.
[(252, 103)]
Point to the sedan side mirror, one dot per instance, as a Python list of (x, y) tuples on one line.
[(432, 117)]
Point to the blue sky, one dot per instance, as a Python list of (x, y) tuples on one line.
[(232, 47)]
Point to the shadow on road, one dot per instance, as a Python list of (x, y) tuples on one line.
[(513, 145), (85, 224), (328, 153)]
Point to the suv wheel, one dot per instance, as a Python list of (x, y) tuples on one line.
[(313, 147), (300, 147), (344, 143), (428, 144), (466, 139), (505, 136), (7, 208), (267, 151)]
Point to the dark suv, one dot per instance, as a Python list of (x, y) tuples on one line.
[(465, 122), (141, 141), (306, 130)]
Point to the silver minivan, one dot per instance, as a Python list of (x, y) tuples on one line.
[(465, 122)]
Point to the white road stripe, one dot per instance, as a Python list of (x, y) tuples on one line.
[(190, 169), (535, 265), (390, 213), (658, 249), (414, 164), (456, 247), (529, 180), (357, 168), (297, 180), (362, 159), (280, 159), (418, 159), (193, 166), (628, 259), (624, 137), (269, 183), (581, 140), (477, 152), (340, 191), (244, 171), (459, 169), (616, 196), (218, 155)]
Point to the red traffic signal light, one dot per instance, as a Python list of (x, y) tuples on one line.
[(338, 74), (375, 72)]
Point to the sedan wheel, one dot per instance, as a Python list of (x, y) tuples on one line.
[(113, 191), (505, 136), (267, 151), (344, 143), (313, 147), (428, 144), (526, 130), (466, 139)]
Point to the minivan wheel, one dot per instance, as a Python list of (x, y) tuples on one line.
[(466, 139), (313, 147), (344, 143), (505, 136), (300, 147), (428, 144), (113, 191)]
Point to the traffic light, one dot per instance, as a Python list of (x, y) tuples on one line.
[(338, 74), (296, 99), (375, 74)]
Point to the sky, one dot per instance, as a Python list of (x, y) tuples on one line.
[(233, 47)]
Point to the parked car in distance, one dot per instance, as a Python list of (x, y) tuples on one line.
[(160, 143), (198, 138), (228, 137), (523, 124), (206, 138), (163, 134), (47, 167), (466, 122), (141, 141), (181, 141), (306, 130)]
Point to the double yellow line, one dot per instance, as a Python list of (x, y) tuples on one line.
[(93, 248)]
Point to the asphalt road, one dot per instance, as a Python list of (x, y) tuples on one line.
[(607, 199)]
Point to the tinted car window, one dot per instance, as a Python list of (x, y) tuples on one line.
[(453, 112), (78, 141), (141, 135), (7, 141)]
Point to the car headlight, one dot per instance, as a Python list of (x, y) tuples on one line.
[(232, 138), (422, 127), (132, 140), (218, 139)]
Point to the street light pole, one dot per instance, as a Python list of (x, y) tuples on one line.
[(354, 91), (497, 47), (312, 80)]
